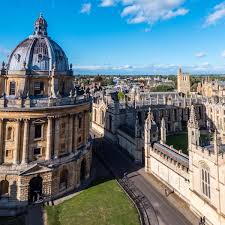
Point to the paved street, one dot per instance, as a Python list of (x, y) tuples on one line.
[(167, 214)]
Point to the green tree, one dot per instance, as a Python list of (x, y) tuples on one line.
[(162, 88), (121, 95)]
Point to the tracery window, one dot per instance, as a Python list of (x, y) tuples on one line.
[(103, 117), (95, 115), (205, 179), (110, 122)]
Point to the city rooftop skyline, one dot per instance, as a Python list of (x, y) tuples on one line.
[(125, 36)]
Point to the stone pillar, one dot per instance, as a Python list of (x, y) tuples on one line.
[(1, 142), (70, 134), (87, 128), (25, 142), (84, 130), (75, 132), (17, 143), (48, 154), (57, 138)]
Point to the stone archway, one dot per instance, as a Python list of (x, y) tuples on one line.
[(63, 183), (4, 188), (35, 189), (83, 170)]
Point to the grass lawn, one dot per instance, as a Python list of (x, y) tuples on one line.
[(12, 220), (179, 142), (101, 204)]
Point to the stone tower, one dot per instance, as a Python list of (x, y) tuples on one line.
[(183, 82)]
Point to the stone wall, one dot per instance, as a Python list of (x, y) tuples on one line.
[(171, 173)]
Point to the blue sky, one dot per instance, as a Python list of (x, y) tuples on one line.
[(125, 36)]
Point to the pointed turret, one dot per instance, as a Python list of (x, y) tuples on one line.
[(163, 131), (193, 129), (193, 120), (216, 143)]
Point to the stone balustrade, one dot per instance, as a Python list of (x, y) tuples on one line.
[(7, 102)]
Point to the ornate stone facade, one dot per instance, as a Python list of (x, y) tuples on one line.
[(45, 149), (210, 88), (124, 122), (198, 178), (140, 125)]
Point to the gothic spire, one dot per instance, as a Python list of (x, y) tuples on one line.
[(193, 122)]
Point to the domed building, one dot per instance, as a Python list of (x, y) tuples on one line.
[(45, 150)]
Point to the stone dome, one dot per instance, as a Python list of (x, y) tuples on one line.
[(38, 52)]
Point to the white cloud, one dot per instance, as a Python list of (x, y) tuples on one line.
[(200, 55), (217, 14), (223, 54), (86, 8), (147, 30), (148, 11), (4, 51), (102, 67), (166, 69), (107, 3)]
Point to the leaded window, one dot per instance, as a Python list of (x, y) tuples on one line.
[(205, 179)]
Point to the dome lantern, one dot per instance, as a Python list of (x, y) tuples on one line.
[(40, 27)]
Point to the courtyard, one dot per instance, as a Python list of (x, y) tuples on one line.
[(179, 142), (103, 203)]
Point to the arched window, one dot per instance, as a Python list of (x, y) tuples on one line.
[(63, 183), (110, 122), (83, 170), (38, 88), (80, 122), (9, 133), (205, 182), (102, 117), (4, 188), (95, 115), (12, 88)]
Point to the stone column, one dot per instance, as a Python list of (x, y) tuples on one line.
[(86, 126), (57, 138), (70, 134), (83, 127), (75, 134), (17, 143), (48, 154), (1, 142), (25, 142)]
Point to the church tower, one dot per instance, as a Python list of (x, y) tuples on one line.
[(183, 82)]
